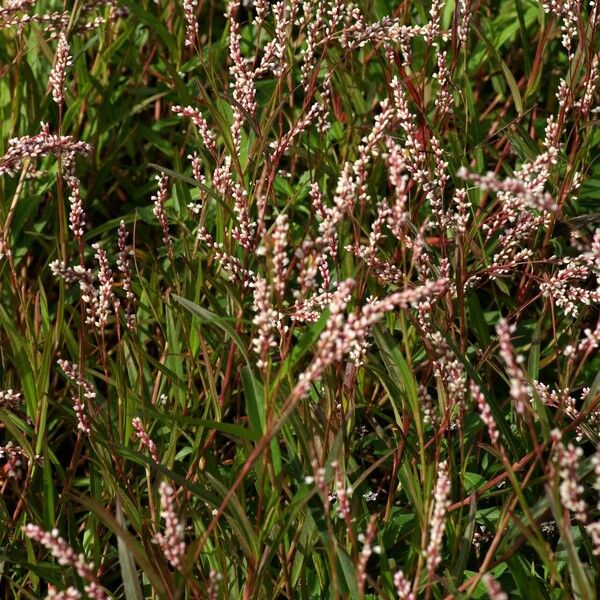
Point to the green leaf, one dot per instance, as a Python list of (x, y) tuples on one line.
[(153, 23), (131, 582), (466, 542), (254, 402), (206, 316), (347, 575), (128, 540), (510, 80)]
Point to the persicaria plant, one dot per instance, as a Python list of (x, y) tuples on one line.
[(299, 299)]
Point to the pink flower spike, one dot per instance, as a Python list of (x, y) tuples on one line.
[(172, 540), (145, 439)]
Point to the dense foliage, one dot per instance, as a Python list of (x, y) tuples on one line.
[(299, 299)]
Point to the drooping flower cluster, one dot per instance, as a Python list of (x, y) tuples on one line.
[(493, 587), (448, 367), (267, 321), (62, 61), (145, 439), (567, 287), (67, 557), (403, 586), (159, 200), (124, 266), (208, 137), (365, 553), (18, 14), (437, 523), (519, 389), (485, 412), (571, 491), (36, 146), (102, 299), (343, 493), (77, 213), (9, 399), (84, 390), (191, 22), (568, 10), (593, 528), (99, 299), (13, 457), (172, 541), (70, 593)]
